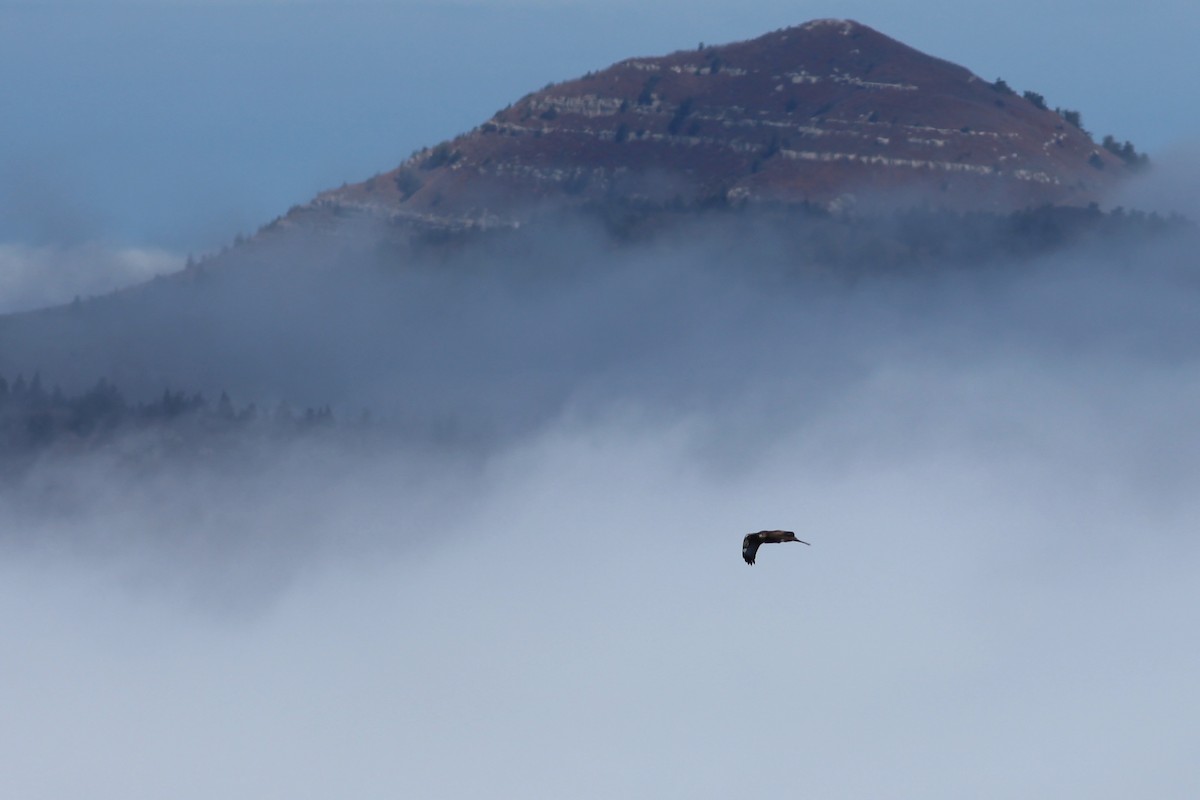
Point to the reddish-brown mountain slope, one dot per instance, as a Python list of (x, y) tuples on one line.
[(829, 112)]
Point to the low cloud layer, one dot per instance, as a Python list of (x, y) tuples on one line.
[(33, 277), (1170, 186), (995, 467)]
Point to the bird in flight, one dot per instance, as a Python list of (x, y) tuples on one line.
[(752, 540)]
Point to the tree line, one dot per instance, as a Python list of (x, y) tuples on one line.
[(35, 419)]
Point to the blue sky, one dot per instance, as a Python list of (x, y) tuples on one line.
[(176, 124)]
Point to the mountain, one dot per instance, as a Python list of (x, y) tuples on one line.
[(722, 163), (829, 113)]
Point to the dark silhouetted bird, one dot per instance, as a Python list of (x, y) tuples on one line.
[(752, 540)]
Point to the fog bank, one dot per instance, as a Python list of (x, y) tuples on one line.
[(995, 469)]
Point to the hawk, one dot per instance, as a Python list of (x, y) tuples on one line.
[(752, 540)]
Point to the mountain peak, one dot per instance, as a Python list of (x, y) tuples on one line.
[(827, 112)]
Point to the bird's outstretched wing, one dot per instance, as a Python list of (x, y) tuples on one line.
[(749, 547)]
